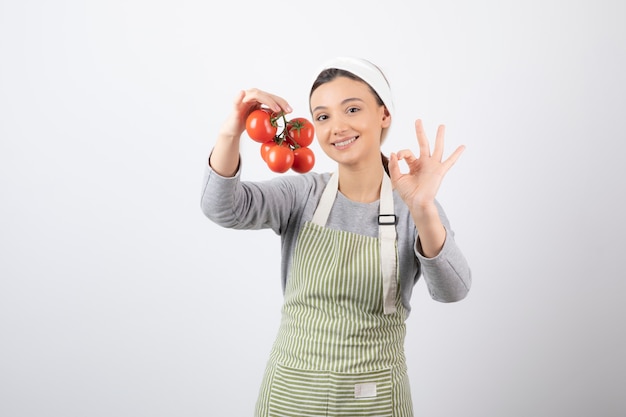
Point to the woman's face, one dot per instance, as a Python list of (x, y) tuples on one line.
[(348, 122)]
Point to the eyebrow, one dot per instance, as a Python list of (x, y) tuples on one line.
[(342, 103)]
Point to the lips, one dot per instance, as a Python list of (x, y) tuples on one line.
[(346, 142)]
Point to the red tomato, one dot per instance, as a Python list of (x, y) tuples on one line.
[(303, 160), (260, 126), (279, 158), (301, 131), (265, 147)]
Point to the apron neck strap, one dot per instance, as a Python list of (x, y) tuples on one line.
[(386, 233)]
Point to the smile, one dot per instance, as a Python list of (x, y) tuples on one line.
[(345, 142)]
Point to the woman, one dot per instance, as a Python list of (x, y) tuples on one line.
[(354, 243)]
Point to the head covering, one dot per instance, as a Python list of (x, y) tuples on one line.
[(369, 73)]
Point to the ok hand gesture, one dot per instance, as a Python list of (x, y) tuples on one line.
[(418, 187)]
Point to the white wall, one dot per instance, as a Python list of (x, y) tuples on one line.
[(119, 298)]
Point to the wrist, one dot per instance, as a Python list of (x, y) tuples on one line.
[(425, 213), (228, 136)]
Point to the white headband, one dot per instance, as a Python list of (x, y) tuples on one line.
[(369, 73)]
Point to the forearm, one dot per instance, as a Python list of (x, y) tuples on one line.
[(232, 203), (432, 233), (224, 158), (447, 275)]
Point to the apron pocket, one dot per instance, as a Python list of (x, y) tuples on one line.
[(363, 394), (307, 393)]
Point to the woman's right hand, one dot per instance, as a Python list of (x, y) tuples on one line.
[(224, 158), (245, 102)]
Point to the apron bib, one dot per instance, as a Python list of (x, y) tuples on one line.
[(340, 345)]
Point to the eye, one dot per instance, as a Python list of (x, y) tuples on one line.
[(321, 117), (353, 109)]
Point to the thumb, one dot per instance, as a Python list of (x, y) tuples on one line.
[(394, 168), (239, 98)]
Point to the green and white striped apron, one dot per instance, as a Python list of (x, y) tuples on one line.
[(339, 351)]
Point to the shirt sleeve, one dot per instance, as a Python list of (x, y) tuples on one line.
[(233, 203), (447, 275)]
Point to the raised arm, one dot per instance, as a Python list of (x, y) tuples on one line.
[(418, 188)]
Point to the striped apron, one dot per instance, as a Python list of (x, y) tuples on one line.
[(337, 353)]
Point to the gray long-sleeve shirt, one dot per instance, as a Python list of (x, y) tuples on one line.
[(286, 202)]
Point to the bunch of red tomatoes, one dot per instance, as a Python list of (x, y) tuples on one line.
[(286, 150)]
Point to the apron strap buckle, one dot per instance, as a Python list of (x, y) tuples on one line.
[(387, 220)]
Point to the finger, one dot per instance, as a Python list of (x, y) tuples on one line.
[(239, 104), (271, 101), (438, 151), (277, 104), (284, 106), (448, 163), (239, 98), (406, 155), (246, 102), (394, 168), (422, 140)]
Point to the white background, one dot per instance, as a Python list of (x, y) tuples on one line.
[(119, 298)]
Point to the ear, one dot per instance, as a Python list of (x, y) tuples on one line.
[(386, 122)]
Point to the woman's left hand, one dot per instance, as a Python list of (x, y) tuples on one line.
[(418, 187)]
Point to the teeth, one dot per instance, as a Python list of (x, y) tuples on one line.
[(345, 143)]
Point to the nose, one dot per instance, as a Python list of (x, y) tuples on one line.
[(339, 127)]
